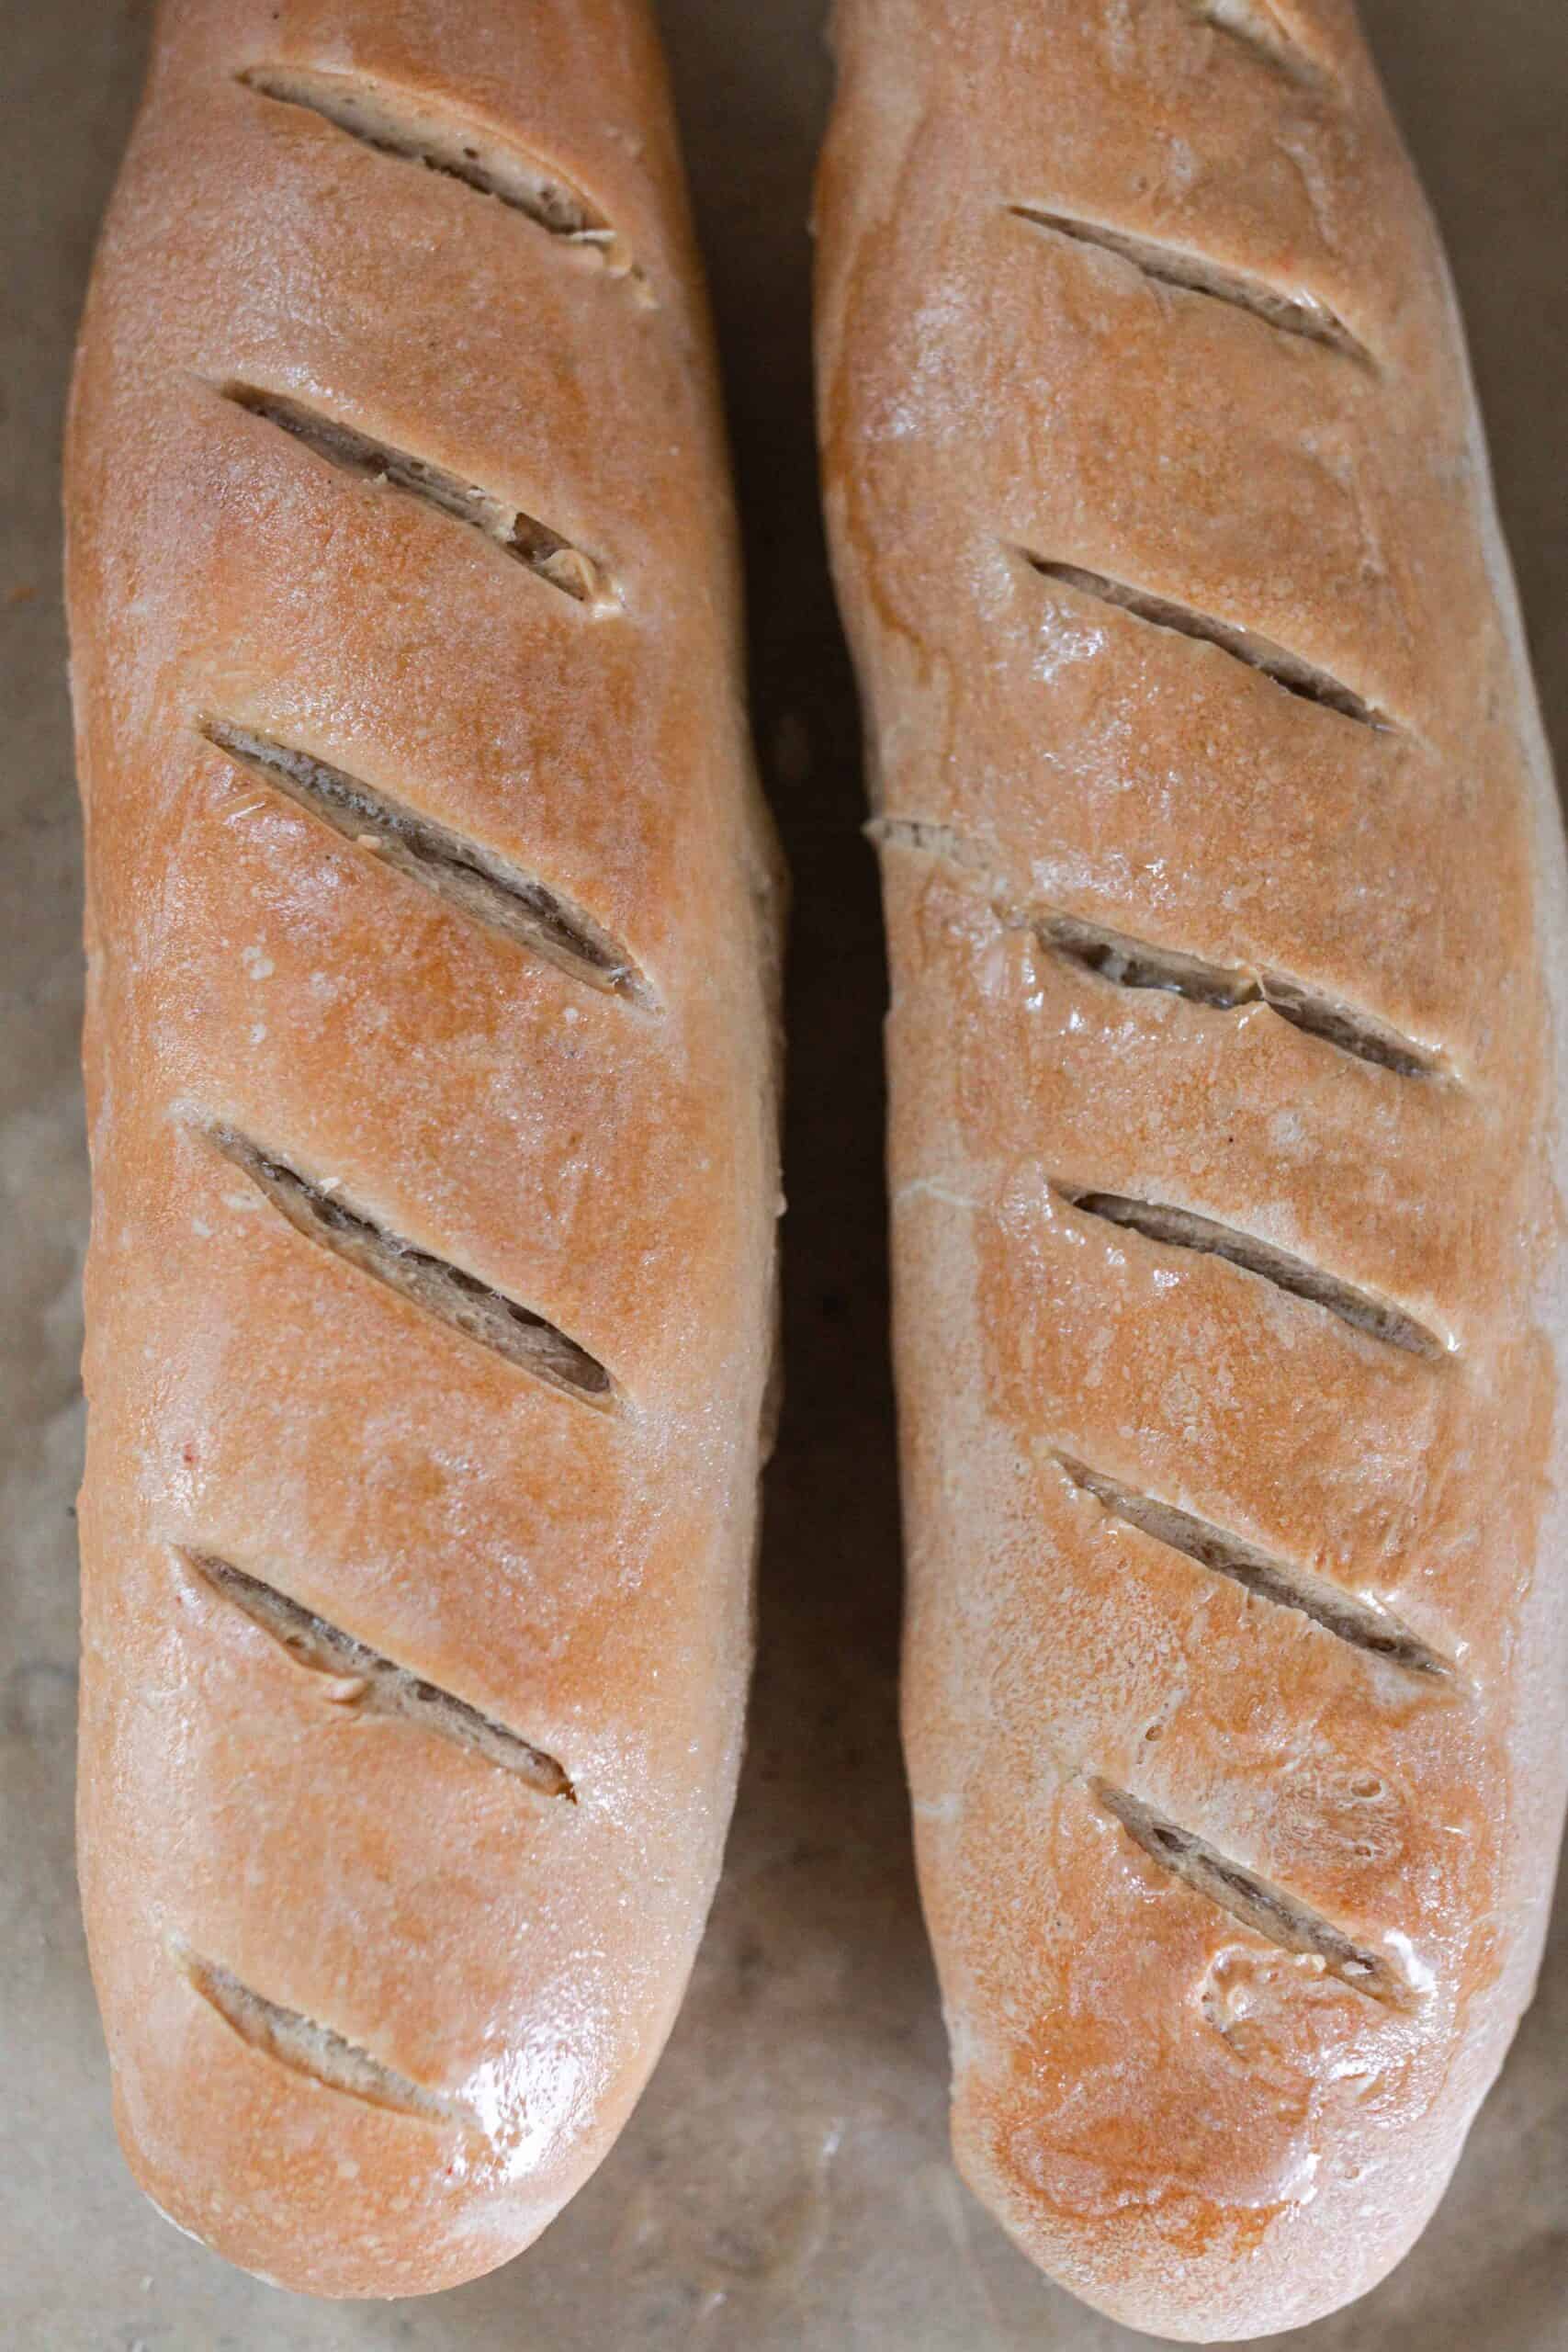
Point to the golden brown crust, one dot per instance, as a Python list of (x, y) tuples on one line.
[(1225, 904), (303, 1883)]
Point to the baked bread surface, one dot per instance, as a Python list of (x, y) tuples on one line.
[(431, 928), (1224, 896)]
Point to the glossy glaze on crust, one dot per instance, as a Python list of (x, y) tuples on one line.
[(431, 928), (1224, 892)]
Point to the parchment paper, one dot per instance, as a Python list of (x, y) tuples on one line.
[(786, 2182)]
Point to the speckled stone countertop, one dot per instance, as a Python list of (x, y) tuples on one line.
[(785, 2186)]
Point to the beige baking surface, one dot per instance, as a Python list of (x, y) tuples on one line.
[(784, 2183)]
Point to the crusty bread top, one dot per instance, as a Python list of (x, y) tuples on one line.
[(1225, 897), (430, 934)]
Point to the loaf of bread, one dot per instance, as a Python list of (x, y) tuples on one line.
[(431, 930), (1224, 889)]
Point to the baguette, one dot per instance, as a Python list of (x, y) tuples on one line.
[(432, 920), (1224, 895)]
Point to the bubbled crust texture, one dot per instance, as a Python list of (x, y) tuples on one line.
[(577, 1573), (1198, 2130)]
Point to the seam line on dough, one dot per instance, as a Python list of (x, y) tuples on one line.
[(933, 1188)]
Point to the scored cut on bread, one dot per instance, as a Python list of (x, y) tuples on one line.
[(1224, 891), (432, 937)]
